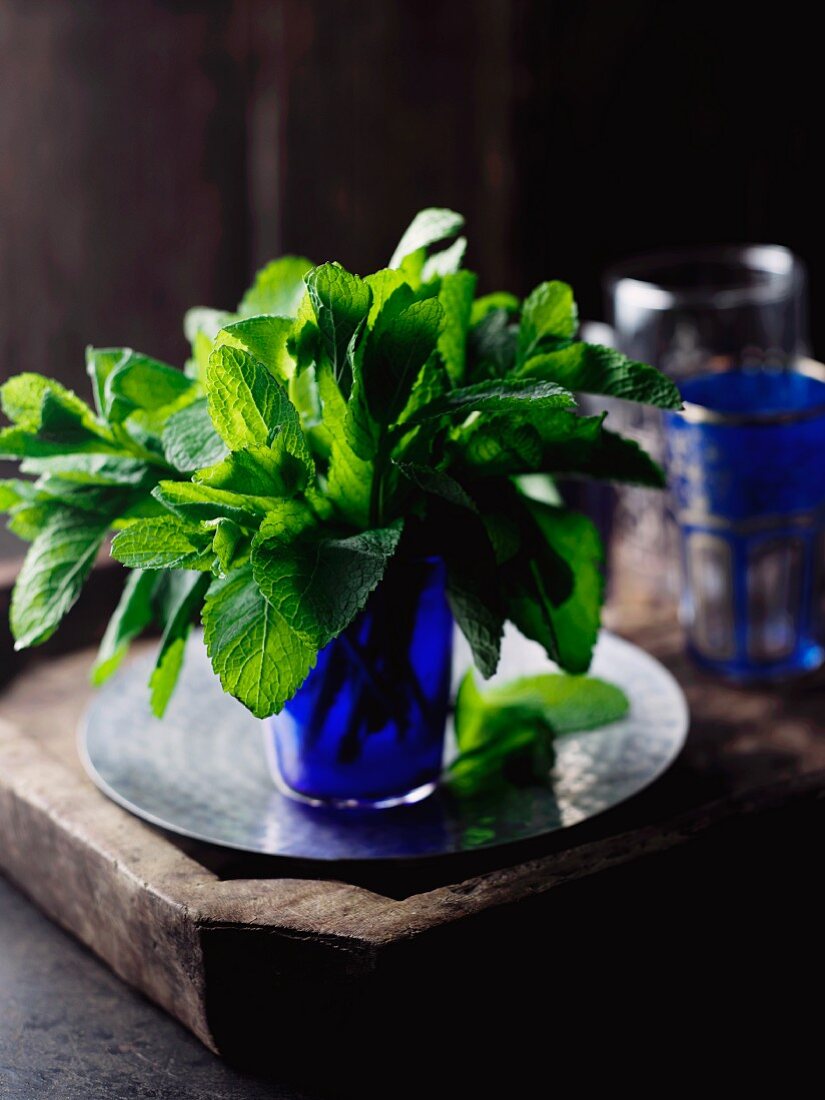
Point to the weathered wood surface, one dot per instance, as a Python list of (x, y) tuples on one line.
[(206, 934)]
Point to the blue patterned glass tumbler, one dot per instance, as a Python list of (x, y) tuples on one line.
[(746, 467), (366, 729)]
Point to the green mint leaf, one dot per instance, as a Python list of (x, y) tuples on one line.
[(515, 723), (494, 396), (100, 362), (259, 659), (278, 288), (491, 346), (93, 469), (535, 579), (10, 493), (48, 419), (341, 303), (18, 443), (456, 297), (197, 503), (248, 406), (437, 482), (139, 382), (499, 300), (57, 564), (201, 327), (187, 591), (528, 440), (444, 263), (607, 457), (266, 339), (230, 544), (478, 615), (399, 345), (318, 584), (286, 520), (427, 227), (207, 322), (576, 619), (164, 543), (571, 704), (23, 397), (383, 284), (258, 471), (133, 614), (189, 439), (349, 477), (590, 368), (548, 317)]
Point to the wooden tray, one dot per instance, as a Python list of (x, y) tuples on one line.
[(239, 947)]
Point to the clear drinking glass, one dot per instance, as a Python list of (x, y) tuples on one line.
[(691, 312)]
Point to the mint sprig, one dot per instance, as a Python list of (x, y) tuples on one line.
[(328, 424)]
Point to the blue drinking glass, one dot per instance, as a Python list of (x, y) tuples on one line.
[(746, 468), (366, 729)]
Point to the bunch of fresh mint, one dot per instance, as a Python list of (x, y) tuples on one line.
[(330, 423)]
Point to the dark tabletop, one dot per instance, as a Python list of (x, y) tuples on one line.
[(71, 1030)]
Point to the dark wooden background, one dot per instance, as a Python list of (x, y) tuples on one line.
[(152, 152)]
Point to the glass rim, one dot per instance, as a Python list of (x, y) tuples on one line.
[(636, 277), (700, 414)]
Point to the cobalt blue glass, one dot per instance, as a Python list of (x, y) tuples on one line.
[(746, 468), (366, 729)]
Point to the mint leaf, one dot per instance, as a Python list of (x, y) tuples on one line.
[(255, 653), (164, 543), (190, 440), (278, 288), (318, 584), (196, 502), (349, 477), (23, 397), (548, 317), (444, 263), (266, 339), (139, 382), (532, 440), (477, 613), (516, 723), (494, 396), (576, 619), (590, 368), (427, 227), (248, 406), (204, 321), (57, 564), (438, 483), (10, 493), (383, 284), (134, 613), (48, 419), (492, 346), (93, 469), (230, 544), (100, 362), (399, 345), (258, 471), (607, 456), (456, 298), (341, 303), (500, 300), (535, 578), (186, 594)]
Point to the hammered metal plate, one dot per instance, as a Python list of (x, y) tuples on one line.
[(202, 771)]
